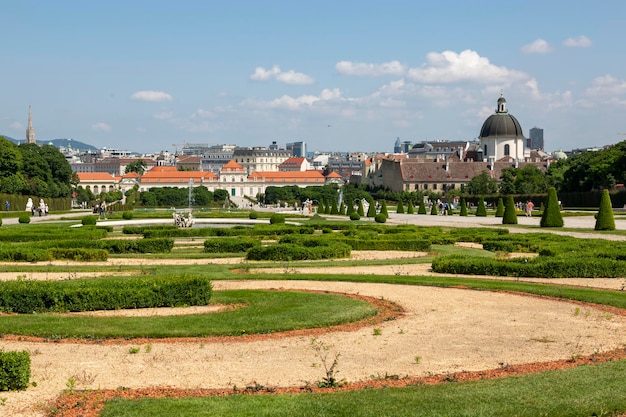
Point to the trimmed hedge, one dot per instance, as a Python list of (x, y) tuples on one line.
[(292, 252), (277, 218), (24, 219), (14, 370), (574, 267), (604, 217), (500, 208), (89, 220), (481, 210), (509, 215), (229, 244), (551, 216), (27, 296), (363, 242)]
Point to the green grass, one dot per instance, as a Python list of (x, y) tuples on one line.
[(261, 312), (592, 390)]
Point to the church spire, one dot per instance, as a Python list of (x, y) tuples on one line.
[(30, 131)]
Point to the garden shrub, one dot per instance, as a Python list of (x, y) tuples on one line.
[(463, 208), (14, 370), (127, 215), (500, 208), (371, 209), (154, 245), (277, 219), (355, 216), (360, 209), (551, 216), (24, 219), (293, 252), (400, 208), (380, 218), (481, 211), (604, 217), (410, 209), (253, 215), (422, 208), (29, 296), (0, 221), (433, 210), (509, 215), (79, 254), (229, 244), (89, 220), (383, 208), (24, 254)]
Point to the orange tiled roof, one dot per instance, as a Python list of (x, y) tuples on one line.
[(169, 174), (290, 176), (333, 175), (95, 176), (232, 166)]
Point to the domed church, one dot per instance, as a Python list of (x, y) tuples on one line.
[(501, 136)]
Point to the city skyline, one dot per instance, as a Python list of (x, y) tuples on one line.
[(143, 76)]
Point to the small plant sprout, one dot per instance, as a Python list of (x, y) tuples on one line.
[(71, 384), (377, 331), (134, 349), (417, 359), (148, 348)]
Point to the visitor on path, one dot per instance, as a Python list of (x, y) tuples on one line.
[(529, 209), (103, 208), (6, 205)]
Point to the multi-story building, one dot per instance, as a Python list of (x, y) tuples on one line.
[(260, 158), (216, 156), (535, 141)]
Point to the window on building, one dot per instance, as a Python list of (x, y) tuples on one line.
[(507, 150), (434, 186), (485, 153)]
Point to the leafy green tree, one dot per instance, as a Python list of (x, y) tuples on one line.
[(510, 215), (463, 207), (10, 158), (604, 217), (500, 208), (220, 195), (551, 216), (482, 183), (400, 207), (139, 166), (202, 196), (481, 210)]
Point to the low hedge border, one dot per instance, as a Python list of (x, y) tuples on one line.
[(294, 252), (229, 244), (28, 296)]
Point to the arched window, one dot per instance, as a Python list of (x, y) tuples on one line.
[(485, 153), (507, 150)]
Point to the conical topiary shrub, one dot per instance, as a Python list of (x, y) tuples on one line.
[(410, 209), (551, 216), (463, 207), (604, 217), (509, 216), (500, 208), (360, 209), (400, 208), (481, 211), (349, 208), (433, 210), (328, 207), (342, 209), (333, 208), (371, 209), (422, 208), (383, 208)]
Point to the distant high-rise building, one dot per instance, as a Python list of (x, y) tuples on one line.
[(397, 148), (30, 131), (536, 138), (298, 149)]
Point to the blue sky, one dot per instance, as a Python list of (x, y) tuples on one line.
[(342, 76)]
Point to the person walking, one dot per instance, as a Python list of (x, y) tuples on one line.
[(529, 208)]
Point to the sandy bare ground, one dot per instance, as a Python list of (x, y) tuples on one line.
[(443, 330)]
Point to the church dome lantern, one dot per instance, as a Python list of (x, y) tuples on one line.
[(501, 134)]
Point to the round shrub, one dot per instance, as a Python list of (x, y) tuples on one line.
[(127, 215), (24, 218), (277, 219), (89, 220), (355, 216), (380, 218), (253, 215)]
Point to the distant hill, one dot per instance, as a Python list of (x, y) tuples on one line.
[(75, 144)]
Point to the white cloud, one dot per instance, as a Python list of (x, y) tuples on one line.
[(538, 46), (17, 126), (606, 86), (150, 95), (394, 68), (101, 127), (467, 66), (275, 73), (578, 42), (295, 103)]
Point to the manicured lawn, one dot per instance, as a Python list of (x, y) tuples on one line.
[(259, 312), (596, 390)]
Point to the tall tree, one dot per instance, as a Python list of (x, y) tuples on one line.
[(482, 183)]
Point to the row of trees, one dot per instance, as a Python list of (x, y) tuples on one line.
[(30, 169)]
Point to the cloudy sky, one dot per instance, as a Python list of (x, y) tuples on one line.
[(340, 75)]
